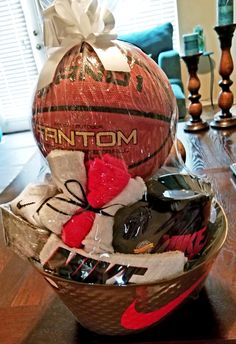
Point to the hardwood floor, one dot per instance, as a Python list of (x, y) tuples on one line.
[(17, 289), (15, 150)]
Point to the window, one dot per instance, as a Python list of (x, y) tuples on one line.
[(19, 65), (22, 53), (137, 15), (44, 3)]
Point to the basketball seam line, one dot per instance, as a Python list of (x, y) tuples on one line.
[(140, 162), (84, 108)]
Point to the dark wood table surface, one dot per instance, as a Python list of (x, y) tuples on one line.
[(31, 313)]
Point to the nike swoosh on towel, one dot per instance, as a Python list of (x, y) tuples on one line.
[(134, 320), (20, 205)]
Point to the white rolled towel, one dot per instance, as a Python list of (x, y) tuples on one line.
[(69, 174), (30, 199), (56, 212), (68, 165), (44, 205), (99, 239)]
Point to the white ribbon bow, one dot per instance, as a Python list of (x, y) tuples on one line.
[(71, 22)]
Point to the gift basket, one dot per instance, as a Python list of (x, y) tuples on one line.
[(104, 228)]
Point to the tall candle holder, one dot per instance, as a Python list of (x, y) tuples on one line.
[(195, 106), (224, 118)]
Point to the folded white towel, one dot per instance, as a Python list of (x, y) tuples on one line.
[(68, 170), (154, 267), (99, 239), (30, 199), (160, 266), (56, 212), (44, 205), (68, 165)]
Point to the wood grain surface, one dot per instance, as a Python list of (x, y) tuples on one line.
[(30, 313)]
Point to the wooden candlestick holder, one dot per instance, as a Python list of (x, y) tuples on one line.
[(195, 106), (224, 118)]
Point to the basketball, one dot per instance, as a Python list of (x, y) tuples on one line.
[(128, 115)]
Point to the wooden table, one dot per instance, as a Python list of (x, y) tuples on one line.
[(30, 313)]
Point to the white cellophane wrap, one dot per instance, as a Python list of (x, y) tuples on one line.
[(102, 116), (39, 206), (51, 205)]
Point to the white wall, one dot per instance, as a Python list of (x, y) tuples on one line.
[(203, 12)]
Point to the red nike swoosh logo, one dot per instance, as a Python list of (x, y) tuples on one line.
[(131, 319)]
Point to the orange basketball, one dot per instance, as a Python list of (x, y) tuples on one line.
[(129, 115)]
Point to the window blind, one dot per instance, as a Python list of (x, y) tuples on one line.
[(18, 69), (138, 15), (18, 56), (43, 4)]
